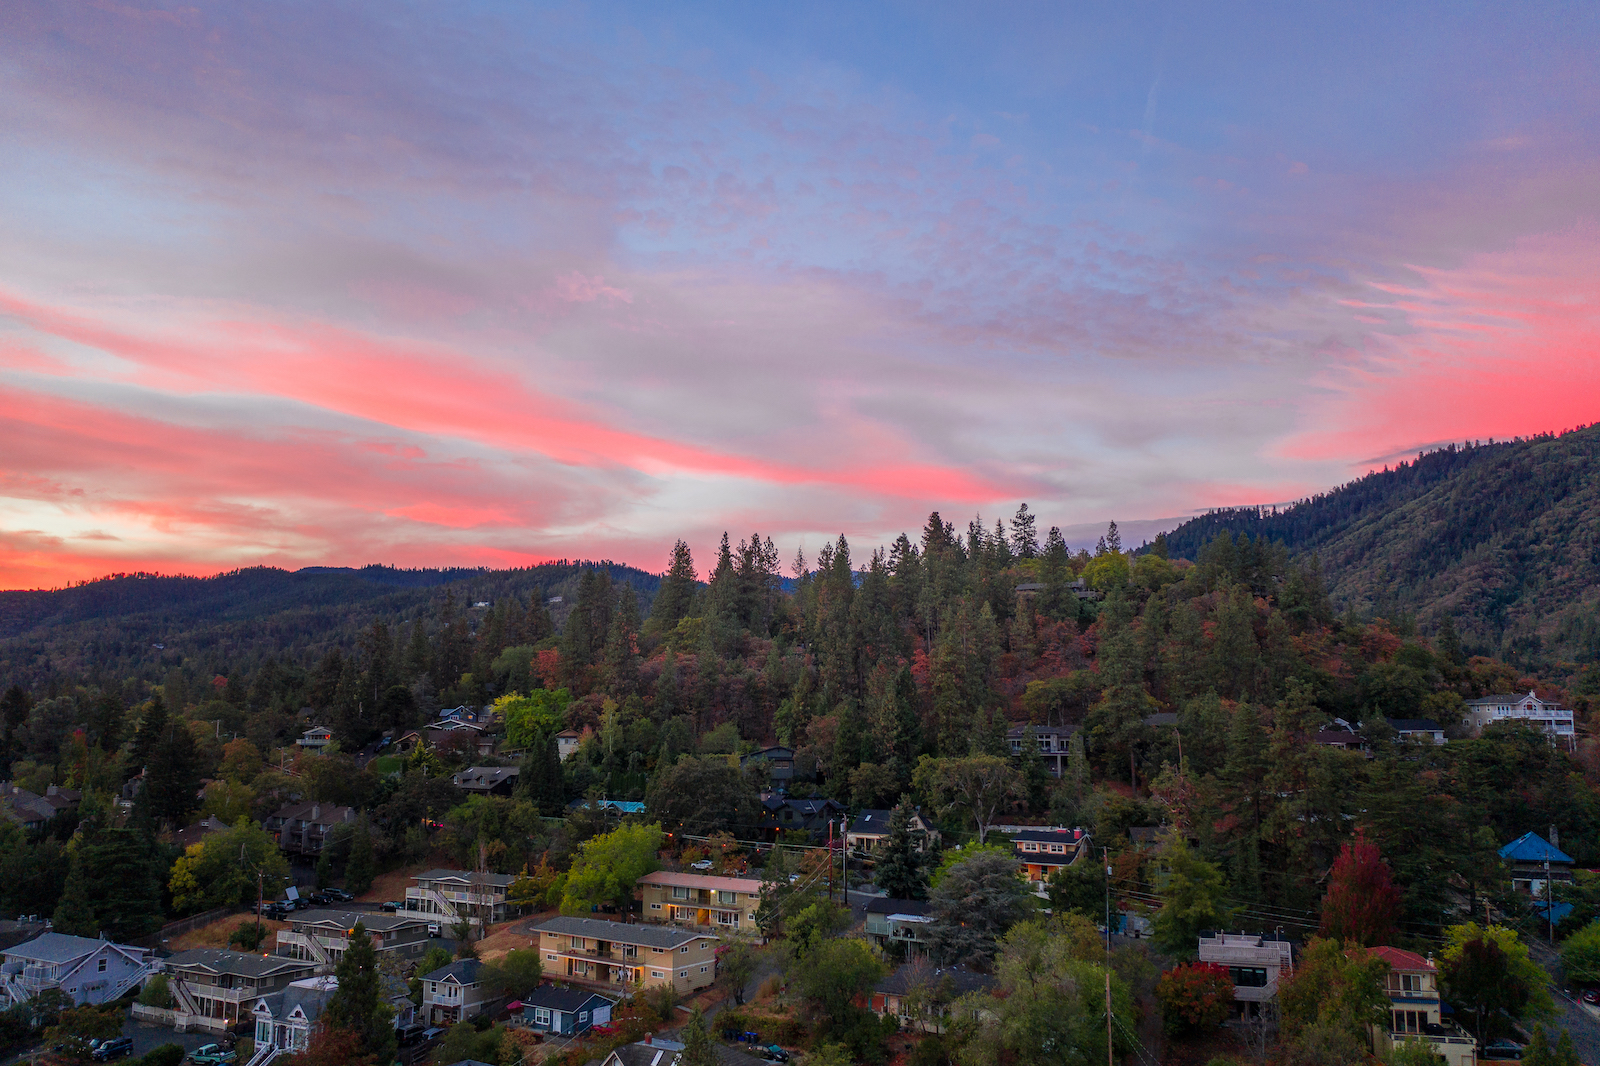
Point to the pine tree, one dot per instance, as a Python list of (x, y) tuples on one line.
[(362, 864), (900, 872), (1024, 534), (172, 779), (697, 1047), (358, 1004), (75, 913), (676, 595), (152, 730)]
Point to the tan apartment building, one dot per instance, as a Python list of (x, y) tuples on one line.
[(722, 903), (323, 936), (459, 895), (616, 955)]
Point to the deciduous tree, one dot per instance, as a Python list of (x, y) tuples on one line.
[(1362, 901)]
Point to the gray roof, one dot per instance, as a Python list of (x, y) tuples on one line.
[(885, 905), (912, 974), (311, 1001), (57, 947), (467, 877), (566, 1000), (1415, 725), (378, 922), (244, 964), (651, 936), (476, 777), (871, 821), (465, 971)]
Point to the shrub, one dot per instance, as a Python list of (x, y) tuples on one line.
[(1195, 995), (247, 936), (165, 1055), (156, 993)]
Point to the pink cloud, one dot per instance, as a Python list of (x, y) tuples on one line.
[(575, 288)]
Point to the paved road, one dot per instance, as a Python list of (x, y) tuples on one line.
[(146, 1038), (1582, 1022)]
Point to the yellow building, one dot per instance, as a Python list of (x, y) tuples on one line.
[(722, 903), (619, 955)]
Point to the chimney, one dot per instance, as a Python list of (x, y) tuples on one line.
[(316, 811), (1555, 837)]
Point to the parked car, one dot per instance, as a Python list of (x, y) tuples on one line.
[(337, 895), (774, 1053), (703, 864), (1591, 995), (388, 906), (1503, 1049), (277, 910), (433, 928), (411, 1034), (115, 1048), (211, 1055), (320, 899)]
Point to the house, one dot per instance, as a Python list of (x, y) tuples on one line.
[(454, 993), (285, 1019), (701, 900), (470, 735), (487, 780), (457, 895), (464, 714), (1042, 852), (777, 762), (1412, 985), (784, 814), (214, 989), (919, 994), (564, 1011), (1254, 962), (1535, 861), (409, 742), (323, 936), (902, 923), (1425, 730), (654, 1051), (871, 829), (1552, 718), (90, 971), (1341, 734), (1055, 744), (591, 951), (302, 828), (194, 834), (567, 742), (31, 811), (316, 738)]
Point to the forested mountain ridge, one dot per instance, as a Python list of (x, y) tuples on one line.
[(141, 625), (1503, 538)]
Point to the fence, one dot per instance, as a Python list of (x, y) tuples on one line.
[(184, 925)]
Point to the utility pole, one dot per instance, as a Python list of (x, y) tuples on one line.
[(1110, 1054), (1105, 856)]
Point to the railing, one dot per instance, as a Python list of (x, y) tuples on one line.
[(148, 968), (265, 1054)]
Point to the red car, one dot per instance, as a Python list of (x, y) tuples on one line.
[(1591, 995)]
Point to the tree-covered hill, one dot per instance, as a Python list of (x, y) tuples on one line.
[(1503, 538)]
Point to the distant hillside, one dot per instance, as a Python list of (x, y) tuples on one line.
[(1504, 538), (132, 625)]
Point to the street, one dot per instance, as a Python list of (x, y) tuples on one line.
[(1571, 1014)]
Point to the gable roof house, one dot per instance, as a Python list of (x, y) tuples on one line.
[(31, 811), (871, 829), (457, 895), (901, 923), (323, 936), (788, 814), (701, 899), (214, 989), (1554, 719), (564, 1011), (1041, 852), (90, 971), (284, 1020), (1055, 744), (1423, 729), (591, 951), (454, 993), (893, 996), (778, 763), (487, 780), (316, 738), (1535, 862), (654, 1051)]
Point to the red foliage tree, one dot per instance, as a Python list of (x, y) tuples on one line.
[(1194, 995), (1362, 899), (330, 1046)]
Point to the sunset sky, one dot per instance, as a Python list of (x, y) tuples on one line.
[(457, 284)]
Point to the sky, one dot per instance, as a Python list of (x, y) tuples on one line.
[(488, 284)]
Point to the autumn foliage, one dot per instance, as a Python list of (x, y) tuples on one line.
[(1194, 995), (1362, 901)]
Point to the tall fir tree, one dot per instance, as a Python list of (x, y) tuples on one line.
[(900, 871), (358, 1004)]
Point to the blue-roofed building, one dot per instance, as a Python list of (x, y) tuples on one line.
[(1535, 861), (564, 1011)]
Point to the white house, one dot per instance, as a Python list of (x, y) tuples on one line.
[(1552, 718), (1255, 963), (316, 738), (284, 1020), (90, 971)]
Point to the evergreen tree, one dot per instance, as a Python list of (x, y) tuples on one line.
[(14, 708), (899, 872), (698, 1049), (152, 730), (172, 779), (676, 594), (75, 913), (1024, 534), (362, 864), (358, 1005)]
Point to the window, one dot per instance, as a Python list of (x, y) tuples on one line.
[(630, 951), (583, 1016), (658, 951), (703, 969), (102, 966), (684, 949), (576, 943), (657, 974), (552, 958), (1058, 848), (680, 893), (655, 906), (727, 897), (541, 1015), (1410, 1021), (683, 973), (1248, 976)]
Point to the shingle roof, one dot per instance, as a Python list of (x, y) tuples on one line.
[(870, 821), (651, 936), (1047, 836), (379, 922), (1415, 725), (55, 947), (216, 960), (466, 877), (476, 777), (316, 813), (1531, 847), (565, 1000), (912, 974), (1040, 730), (705, 881), (463, 970)]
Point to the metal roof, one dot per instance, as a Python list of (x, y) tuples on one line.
[(1531, 847)]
